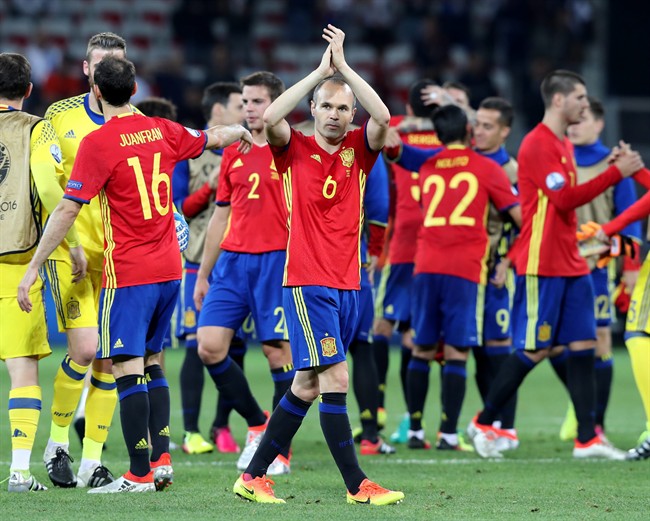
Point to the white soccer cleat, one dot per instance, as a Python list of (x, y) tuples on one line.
[(94, 477), (122, 484), (485, 443), (18, 482), (163, 473), (280, 465), (253, 438), (597, 448), (506, 440)]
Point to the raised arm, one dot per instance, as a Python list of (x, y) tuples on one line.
[(220, 136), (368, 98), (276, 128)]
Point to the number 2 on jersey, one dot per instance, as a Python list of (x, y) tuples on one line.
[(457, 217), (157, 177)]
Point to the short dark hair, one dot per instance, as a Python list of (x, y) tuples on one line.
[(559, 81), (106, 41), (597, 108), (451, 84), (336, 79), (115, 78), (218, 92), (266, 79), (15, 75), (450, 123), (157, 107), (503, 106), (415, 99)]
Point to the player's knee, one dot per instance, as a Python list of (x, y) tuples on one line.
[(211, 353)]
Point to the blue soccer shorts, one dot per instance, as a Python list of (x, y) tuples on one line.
[(498, 309), (243, 284), (322, 322), (394, 293), (449, 307), (603, 301), (133, 321), (186, 313), (366, 309), (552, 311)]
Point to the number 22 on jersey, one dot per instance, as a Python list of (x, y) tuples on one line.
[(457, 216)]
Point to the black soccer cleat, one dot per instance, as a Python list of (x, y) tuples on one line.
[(59, 469)]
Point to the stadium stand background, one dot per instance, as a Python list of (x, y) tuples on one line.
[(494, 46)]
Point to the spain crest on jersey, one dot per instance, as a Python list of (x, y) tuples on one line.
[(328, 346), (347, 157)]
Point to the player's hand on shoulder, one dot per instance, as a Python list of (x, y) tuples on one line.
[(393, 139), (245, 140), (79, 263)]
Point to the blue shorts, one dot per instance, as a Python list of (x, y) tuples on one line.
[(186, 313), (603, 301), (366, 309), (553, 311), (449, 307), (496, 321), (133, 321), (394, 294), (322, 322), (243, 284)]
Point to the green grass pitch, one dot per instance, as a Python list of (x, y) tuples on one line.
[(538, 481)]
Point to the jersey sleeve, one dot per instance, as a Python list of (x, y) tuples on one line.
[(636, 212), (89, 173), (224, 186), (376, 197), (542, 166), (282, 155), (624, 197), (413, 158), (189, 142)]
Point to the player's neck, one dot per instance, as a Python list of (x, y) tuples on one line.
[(259, 137), (14, 104), (112, 112), (328, 145), (556, 124)]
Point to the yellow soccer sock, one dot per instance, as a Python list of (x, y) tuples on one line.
[(639, 349), (68, 384), (100, 406), (24, 412)]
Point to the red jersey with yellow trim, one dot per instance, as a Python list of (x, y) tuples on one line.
[(408, 212), (324, 194), (128, 162), (549, 196), (251, 185), (457, 186)]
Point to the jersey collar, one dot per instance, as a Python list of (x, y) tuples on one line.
[(587, 155), (501, 156), (6, 108), (97, 119)]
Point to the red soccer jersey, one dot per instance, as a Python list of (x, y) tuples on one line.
[(408, 213), (549, 197), (128, 162), (457, 186), (325, 197), (253, 188)]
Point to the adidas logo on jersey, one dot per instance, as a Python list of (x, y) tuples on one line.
[(316, 157), (164, 431), (142, 444), (70, 134), (238, 163), (118, 344), (18, 434)]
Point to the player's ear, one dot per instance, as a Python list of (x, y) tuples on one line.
[(135, 88), (86, 68), (97, 92), (505, 132), (28, 92), (312, 107), (354, 111)]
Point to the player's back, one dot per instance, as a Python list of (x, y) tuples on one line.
[(133, 157), (457, 185)]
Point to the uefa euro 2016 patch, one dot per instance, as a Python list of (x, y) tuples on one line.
[(74, 185), (555, 181)]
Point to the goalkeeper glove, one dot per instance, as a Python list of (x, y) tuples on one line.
[(182, 231)]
